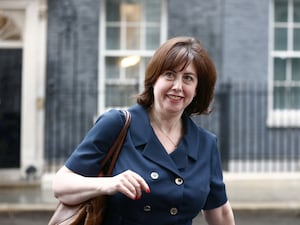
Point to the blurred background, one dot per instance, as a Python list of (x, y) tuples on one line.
[(64, 62)]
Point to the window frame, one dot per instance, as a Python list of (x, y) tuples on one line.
[(281, 117), (103, 53)]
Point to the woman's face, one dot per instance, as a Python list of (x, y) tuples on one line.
[(174, 90)]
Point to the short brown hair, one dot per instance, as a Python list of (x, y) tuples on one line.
[(173, 53)]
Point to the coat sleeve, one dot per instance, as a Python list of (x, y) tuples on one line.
[(87, 156), (217, 195)]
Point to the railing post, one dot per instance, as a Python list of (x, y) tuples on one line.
[(224, 132)]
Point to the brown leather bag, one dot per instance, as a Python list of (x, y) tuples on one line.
[(92, 212)]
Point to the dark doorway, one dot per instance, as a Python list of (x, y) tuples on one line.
[(10, 107)]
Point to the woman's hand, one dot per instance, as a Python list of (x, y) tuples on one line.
[(129, 183)]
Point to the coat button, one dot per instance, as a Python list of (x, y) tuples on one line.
[(179, 181), (154, 175), (147, 208), (173, 211)]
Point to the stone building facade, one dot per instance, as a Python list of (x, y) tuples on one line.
[(69, 51)]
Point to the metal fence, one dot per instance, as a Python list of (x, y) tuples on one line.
[(247, 143), (239, 119)]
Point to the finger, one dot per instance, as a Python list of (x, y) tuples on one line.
[(134, 184), (131, 184), (140, 184), (126, 185), (143, 184)]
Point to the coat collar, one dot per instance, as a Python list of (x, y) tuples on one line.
[(142, 136)]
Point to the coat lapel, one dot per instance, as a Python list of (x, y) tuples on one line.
[(143, 135), (155, 152)]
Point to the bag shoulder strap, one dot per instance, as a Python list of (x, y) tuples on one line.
[(114, 151)]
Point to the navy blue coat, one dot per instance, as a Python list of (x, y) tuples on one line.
[(182, 183)]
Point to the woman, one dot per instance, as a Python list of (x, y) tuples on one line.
[(169, 169)]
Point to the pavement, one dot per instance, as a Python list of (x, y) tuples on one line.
[(245, 192), (275, 191)]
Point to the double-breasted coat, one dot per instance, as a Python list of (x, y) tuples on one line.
[(182, 183)]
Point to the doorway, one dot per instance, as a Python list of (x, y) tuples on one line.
[(22, 76), (10, 107)]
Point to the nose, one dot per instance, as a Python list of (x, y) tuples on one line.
[(177, 84)]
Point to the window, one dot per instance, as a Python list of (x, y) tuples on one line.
[(11, 24), (284, 105), (131, 31)]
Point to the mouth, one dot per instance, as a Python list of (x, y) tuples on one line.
[(175, 97)]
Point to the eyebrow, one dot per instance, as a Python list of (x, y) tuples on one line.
[(185, 72), (190, 73)]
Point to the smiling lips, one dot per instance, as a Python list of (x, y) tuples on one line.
[(175, 97)]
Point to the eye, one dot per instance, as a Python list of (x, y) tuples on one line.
[(189, 78), (169, 75)]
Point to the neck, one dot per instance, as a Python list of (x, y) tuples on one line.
[(168, 130), (165, 123)]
